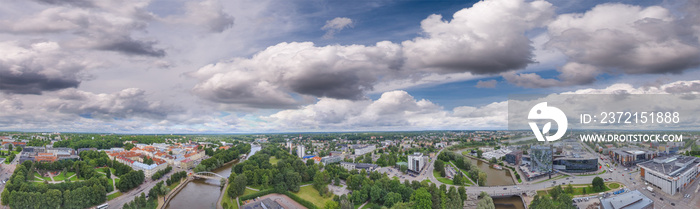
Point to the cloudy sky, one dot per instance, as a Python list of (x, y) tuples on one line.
[(243, 66)]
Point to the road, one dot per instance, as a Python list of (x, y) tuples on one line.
[(145, 187)]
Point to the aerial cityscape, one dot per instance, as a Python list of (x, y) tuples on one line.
[(334, 104)]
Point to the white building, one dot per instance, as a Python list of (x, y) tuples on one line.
[(361, 150), (671, 174), (416, 162), (301, 151)]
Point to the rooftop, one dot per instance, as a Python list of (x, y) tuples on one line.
[(672, 165), (630, 200)]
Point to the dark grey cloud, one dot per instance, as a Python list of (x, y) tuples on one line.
[(129, 46), (341, 85), (33, 82), (37, 68), (77, 3), (124, 104), (619, 39)]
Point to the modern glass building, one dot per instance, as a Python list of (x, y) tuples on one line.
[(576, 165), (541, 159)]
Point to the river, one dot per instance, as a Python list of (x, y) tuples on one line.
[(494, 177), (512, 202), (203, 193)]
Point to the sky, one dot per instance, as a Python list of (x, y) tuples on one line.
[(256, 66)]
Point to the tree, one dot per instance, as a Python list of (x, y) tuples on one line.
[(345, 203), (240, 183), (19, 149), (485, 202), (453, 199), (147, 161), (556, 192), (403, 168), (392, 198), (128, 146), (108, 173), (422, 199), (493, 160), (375, 194), (598, 184), (541, 203), (482, 178), (569, 189), (440, 167), (331, 205), (9, 147), (479, 153), (462, 193)]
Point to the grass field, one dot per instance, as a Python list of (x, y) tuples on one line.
[(112, 196), (310, 194), (172, 186), (274, 160), (44, 178), (248, 191), (59, 177), (442, 179), (614, 185), (578, 189)]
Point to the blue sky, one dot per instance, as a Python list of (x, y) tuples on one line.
[(212, 66)]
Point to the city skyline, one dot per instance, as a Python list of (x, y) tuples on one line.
[(333, 66)]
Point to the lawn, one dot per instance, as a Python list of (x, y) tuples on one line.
[(578, 189), (111, 182), (59, 177), (44, 178), (116, 181), (310, 194), (274, 160), (112, 196), (248, 191), (614, 185), (172, 186), (442, 179)]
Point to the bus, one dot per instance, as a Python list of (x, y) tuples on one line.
[(103, 206)]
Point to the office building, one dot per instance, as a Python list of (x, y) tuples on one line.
[(671, 174), (363, 149), (514, 157), (301, 151), (416, 162), (576, 163), (331, 159)]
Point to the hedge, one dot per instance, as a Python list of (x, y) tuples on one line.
[(298, 199), (257, 194)]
